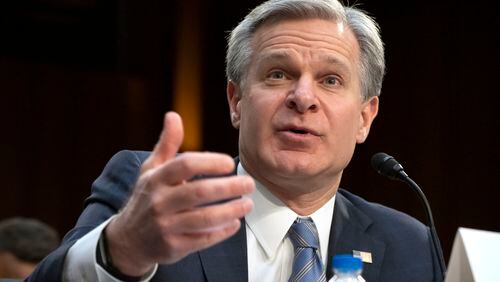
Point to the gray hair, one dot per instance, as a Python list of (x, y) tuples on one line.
[(365, 29)]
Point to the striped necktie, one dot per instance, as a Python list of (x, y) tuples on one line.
[(307, 265)]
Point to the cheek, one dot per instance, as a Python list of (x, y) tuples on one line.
[(343, 137), (261, 107), (255, 117), (344, 122)]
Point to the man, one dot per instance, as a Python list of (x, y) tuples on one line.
[(303, 85), (24, 242)]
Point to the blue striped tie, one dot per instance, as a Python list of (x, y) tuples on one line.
[(307, 265)]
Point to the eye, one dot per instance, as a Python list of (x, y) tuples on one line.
[(331, 81), (277, 74)]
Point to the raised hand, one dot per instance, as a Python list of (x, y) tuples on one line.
[(168, 216)]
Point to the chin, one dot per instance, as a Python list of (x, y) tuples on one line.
[(296, 165)]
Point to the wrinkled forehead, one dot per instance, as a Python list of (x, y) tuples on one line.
[(331, 40), (336, 28)]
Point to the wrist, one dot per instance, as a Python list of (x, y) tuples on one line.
[(120, 257)]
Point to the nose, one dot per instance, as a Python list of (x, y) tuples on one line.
[(302, 97)]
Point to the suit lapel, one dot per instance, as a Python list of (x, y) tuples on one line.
[(348, 233), (227, 261)]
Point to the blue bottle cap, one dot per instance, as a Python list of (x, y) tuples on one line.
[(347, 263)]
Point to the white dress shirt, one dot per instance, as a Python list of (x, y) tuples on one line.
[(81, 264), (269, 250)]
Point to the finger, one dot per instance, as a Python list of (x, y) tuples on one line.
[(189, 243), (208, 218), (188, 165), (169, 142), (210, 236), (206, 191)]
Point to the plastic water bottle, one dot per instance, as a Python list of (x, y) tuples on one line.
[(347, 268)]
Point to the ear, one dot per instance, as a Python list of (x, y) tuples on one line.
[(369, 110), (233, 92)]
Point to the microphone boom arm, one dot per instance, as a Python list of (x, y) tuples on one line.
[(430, 220), (387, 166)]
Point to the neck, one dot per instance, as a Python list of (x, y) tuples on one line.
[(306, 203), (303, 196)]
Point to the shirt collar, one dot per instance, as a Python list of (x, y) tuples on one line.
[(270, 219)]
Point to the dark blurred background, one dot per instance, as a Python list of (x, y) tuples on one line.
[(82, 79)]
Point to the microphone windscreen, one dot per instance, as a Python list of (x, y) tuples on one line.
[(378, 160), (386, 165)]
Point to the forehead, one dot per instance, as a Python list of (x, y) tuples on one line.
[(312, 37)]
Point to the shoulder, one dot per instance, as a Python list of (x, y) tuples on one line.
[(124, 163), (405, 238), (393, 227), (128, 156), (383, 215), (115, 183)]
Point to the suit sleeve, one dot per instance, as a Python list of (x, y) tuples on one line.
[(110, 192)]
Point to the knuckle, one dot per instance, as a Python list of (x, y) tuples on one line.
[(223, 188), (198, 192), (207, 218), (149, 181), (239, 208), (182, 198), (157, 200), (187, 197), (204, 191), (185, 164), (166, 228), (238, 184)]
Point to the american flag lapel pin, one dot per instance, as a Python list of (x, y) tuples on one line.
[(365, 257)]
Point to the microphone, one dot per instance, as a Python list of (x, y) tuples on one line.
[(389, 167)]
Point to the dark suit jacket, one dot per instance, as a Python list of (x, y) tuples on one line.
[(399, 244)]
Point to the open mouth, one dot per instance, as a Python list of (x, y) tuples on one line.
[(299, 131)]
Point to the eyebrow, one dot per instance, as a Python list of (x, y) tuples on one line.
[(331, 60)]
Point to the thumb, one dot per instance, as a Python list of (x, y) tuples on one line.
[(168, 145)]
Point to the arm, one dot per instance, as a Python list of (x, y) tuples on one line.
[(168, 215)]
